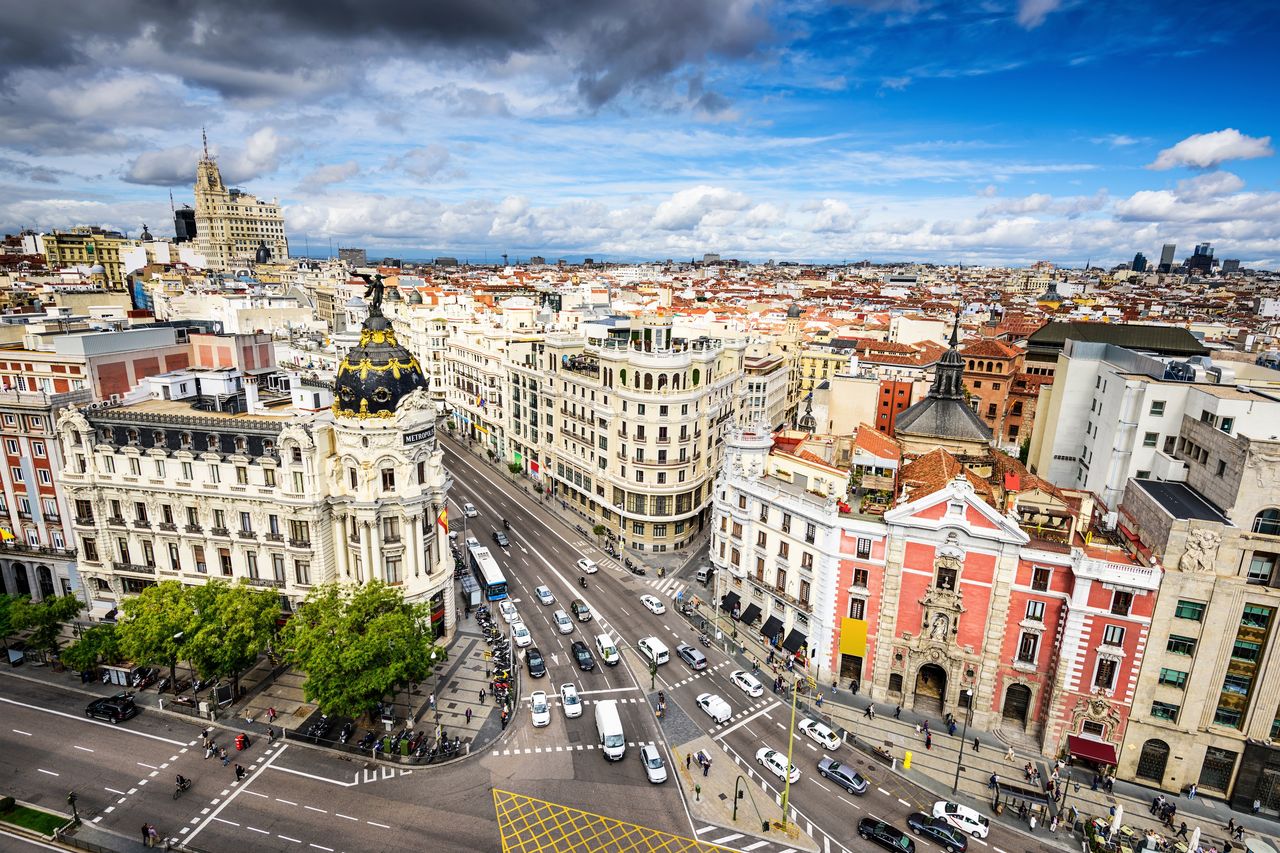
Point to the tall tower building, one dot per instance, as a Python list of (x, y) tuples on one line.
[(232, 225), (1139, 263), (1166, 257)]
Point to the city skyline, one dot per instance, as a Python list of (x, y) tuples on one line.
[(923, 131)]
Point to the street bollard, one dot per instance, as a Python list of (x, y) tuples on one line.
[(906, 761), (697, 793)]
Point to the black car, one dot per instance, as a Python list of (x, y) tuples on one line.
[(937, 830), (501, 539), (533, 660), (886, 835), (580, 610), (843, 775), (691, 656), (583, 656), (113, 709)]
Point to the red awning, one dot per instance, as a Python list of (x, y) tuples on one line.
[(1091, 749)]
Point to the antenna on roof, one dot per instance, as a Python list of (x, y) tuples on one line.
[(204, 138), (171, 208)]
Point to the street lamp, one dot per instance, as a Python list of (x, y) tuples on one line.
[(791, 740), (964, 737)]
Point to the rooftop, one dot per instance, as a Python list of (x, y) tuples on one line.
[(1180, 501)]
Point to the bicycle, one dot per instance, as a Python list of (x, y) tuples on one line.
[(179, 789)]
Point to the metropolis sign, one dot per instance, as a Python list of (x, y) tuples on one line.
[(427, 433)]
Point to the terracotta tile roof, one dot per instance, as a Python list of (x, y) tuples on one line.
[(927, 474), (990, 348), (876, 443)]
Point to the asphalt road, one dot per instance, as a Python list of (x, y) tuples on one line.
[(542, 553)]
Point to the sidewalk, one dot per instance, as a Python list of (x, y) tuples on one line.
[(935, 769)]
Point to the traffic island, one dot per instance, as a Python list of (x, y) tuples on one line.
[(720, 792), (29, 820)]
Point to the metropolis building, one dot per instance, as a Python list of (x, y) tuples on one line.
[(255, 475)]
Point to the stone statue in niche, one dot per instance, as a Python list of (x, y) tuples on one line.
[(938, 630)]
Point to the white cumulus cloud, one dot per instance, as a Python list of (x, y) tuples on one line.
[(1206, 150), (1031, 13)]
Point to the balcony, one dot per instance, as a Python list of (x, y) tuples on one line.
[(220, 531), (52, 518), (247, 534), (193, 528), (135, 568), (274, 537), (168, 525), (117, 521), (267, 582), (20, 547), (142, 523), (391, 540), (85, 520), (299, 543)]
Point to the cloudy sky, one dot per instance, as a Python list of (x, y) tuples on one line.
[(982, 131)]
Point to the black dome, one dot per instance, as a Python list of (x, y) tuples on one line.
[(263, 255), (376, 374)]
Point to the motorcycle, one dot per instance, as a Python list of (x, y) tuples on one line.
[(636, 569), (704, 639), (348, 729), (366, 742), (582, 581)]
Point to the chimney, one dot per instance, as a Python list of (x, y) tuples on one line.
[(251, 404)]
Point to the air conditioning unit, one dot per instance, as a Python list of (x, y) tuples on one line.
[(1110, 520)]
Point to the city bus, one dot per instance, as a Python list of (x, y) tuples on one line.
[(492, 583)]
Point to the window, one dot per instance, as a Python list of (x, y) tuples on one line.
[(269, 476), (1180, 645), (159, 466), (1040, 578), (1113, 635), (90, 548), (215, 476), (1222, 467), (277, 567), (175, 559), (861, 577), (780, 582), (1150, 439), (742, 501), (1193, 610), (864, 549), (857, 608), (187, 473), (1224, 716), (1261, 567), (135, 466), (1105, 677), (803, 597), (246, 525), (762, 539), (242, 475), (42, 474), (1255, 617), (1246, 651), (1227, 424), (388, 479), (1121, 602), (1267, 522), (140, 513), (1035, 611), (737, 530), (806, 560), (392, 570), (251, 564), (11, 446), (810, 532), (1164, 711), (947, 576), (784, 550), (302, 571), (1157, 408), (1237, 684), (1173, 677), (219, 519), (786, 522), (764, 508), (1028, 645), (201, 566), (297, 481), (224, 561)]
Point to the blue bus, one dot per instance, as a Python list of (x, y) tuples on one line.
[(492, 582)]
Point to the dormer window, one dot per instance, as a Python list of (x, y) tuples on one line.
[(157, 438), (242, 444), (132, 435), (186, 441), (211, 443), (106, 435), (268, 447)]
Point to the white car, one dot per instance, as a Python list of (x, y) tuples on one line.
[(470, 511), (521, 634), (747, 683), (540, 708), (654, 767), (653, 604), (563, 623), (776, 763), (820, 734), (962, 818), (715, 707), (508, 610), (588, 566), (570, 700), (544, 595)]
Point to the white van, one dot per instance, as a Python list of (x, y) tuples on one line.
[(608, 652), (653, 649), (609, 730), (704, 574)]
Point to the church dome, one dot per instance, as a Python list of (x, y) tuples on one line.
[(393, 294), (794, 311), (415, 298), (376, 374)]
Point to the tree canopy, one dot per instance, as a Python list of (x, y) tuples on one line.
[(45, 617), (154, 627), (232, 625), (98, 643), (357, 644)]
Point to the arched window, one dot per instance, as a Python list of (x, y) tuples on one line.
[(971, 364), (662, 381), (1267, 522), (697, 376), (622, 375), (648, 382), (1152, 760)]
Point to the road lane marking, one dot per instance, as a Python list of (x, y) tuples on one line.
[(979, 840), (287, 838), (81, 748), (610, 690), (114, 791), (286, 802), (883, 791), (727, 838), (223, 820), (312, 776), (819, 784), (319, 847), (81, 719), (314, 809), (904, 802), (255, 829), (42, 770), (372, 823), (253, 774), (256, 794), (148, 766), (348, 817), (705, 829), (757, 844), (21, 732), (738, 724)]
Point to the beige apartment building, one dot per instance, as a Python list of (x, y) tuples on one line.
[(232, 227)]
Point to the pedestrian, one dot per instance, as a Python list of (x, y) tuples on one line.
[(951, 728), (1231, 826), (1111, 782), (153, 834), (468, 716), (1227, 846), (1191, 791), (853, 687), (146, 836), (431, 701), (818, 701), (688, 760), (976, 745), (226, 759), (869, 712), (271, 714), (1257, 806), (239, 772), (1182, 831), (1053, 825), (706, 766), (209, 748), (993, 781), (897, 712), (925, 725), (1009, 755), (835, 686), (1096, 780), (1239, 832), (1032, 823), (1155, 805), (504, 718), (928, 741), (481, 695), (755, 667)]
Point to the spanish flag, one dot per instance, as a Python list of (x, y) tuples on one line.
[(443, 518)]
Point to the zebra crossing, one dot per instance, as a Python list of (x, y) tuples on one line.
[(669, 587), (568, 748)]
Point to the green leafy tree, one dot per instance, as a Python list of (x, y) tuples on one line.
[(98, 643), (6, 616), (599, 530), (515, 468), (233, 624), (45, 618), (154, 627), (357, 644)]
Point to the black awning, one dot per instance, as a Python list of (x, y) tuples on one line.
[(794, 641), (751, 614), (729, 601), (772, 627)]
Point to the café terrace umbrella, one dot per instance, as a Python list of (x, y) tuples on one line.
[(1115, 821)]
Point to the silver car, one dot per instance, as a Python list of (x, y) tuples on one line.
[(563, 623), (654, 767)]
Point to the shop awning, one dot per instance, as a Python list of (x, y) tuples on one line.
[(1091, 749), (729, 601), (751, 614), (794, 641), (772, 627)]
